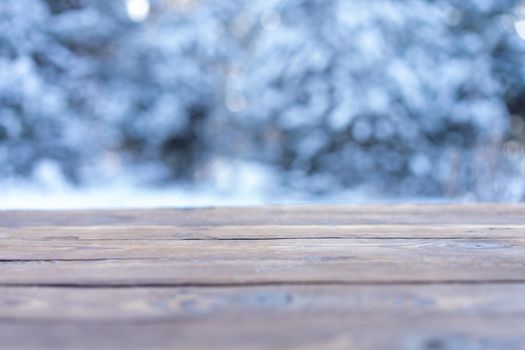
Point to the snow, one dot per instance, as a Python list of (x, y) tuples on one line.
[(138, 10), (118, 196), (28, 196), (242, 99)]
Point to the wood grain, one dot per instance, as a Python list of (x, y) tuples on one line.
[(412, 214), (407, 277), (147, 304), (259, 232), (241, 262), (463, 332), (309, 317)]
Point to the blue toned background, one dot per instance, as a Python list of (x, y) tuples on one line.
[(198, 102)]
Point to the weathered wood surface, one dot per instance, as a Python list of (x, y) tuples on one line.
[(402, 277), (489, 214)]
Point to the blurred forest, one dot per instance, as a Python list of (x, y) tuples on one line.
[(396, 98)]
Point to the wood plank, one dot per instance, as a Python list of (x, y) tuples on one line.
[(247, 262), (248, 232), (462, 332), (402, 277), (508, 249), (313, 317), (183, 304), (410, 214)]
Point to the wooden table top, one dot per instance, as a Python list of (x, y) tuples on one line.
[(408, 277)]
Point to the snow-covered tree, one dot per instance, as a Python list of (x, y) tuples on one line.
[(90, 87), (399, 96), (50, 55), (407, 97)]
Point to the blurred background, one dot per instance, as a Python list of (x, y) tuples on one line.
[(205, 102)]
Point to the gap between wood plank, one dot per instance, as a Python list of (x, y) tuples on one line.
[(264, 238), (263, 284)]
